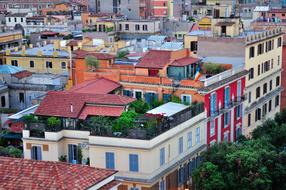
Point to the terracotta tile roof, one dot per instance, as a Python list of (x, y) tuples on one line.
[(156, 59), (71, 104), (184, 61), (22, 74), (81, 54), (98, 86), (110, 185), (18, 173), (101, 111)]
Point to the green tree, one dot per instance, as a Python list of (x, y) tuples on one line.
[(101, 125), (125, 121), (92, 62), (122, 54)]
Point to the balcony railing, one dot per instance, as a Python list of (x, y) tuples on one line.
[(237, 101), (145, 127)]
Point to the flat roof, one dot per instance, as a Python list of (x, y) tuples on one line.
[(47, 50), (236, 61), (168, 109)]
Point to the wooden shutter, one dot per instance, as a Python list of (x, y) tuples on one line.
[(45, 147), (28, 146)]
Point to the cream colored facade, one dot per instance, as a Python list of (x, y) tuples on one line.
[(150, 172), (262, 78)]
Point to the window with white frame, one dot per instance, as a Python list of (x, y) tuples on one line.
[(190, 139), (186, 99), (162, 156), (198, 137), (181, 145), (212, 127)]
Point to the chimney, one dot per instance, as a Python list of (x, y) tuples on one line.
[(71, 108), (23, 50)]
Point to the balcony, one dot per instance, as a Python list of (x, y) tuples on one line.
[(144, 126)]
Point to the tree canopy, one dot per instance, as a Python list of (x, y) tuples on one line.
[(258, 163)]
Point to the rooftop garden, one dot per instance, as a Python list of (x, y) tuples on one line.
[(135, 123)]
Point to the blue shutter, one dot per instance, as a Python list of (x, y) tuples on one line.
[(213, 104), (39, 153), (109, 160), (133, 163), (239, 89), (166, 98), (181, 145), (162, 156), (226, 97)]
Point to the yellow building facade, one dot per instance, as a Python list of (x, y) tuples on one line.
[(263, 60), (46, 59)]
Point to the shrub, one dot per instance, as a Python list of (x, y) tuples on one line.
[(125, 121), (175, 99), (29, 119), (212, 68), (140, 106), (54, 122), (63, 158)]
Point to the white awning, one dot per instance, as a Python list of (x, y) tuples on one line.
[(168, 109)]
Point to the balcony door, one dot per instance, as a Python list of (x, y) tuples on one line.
[(72, 153), (36, 153)]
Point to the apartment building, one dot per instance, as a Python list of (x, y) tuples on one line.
[(262, 55), (10, 39), (135, 9), (44, 59), (163, 158)]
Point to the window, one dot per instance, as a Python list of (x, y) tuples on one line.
[(137, 27), (3, 101), (264, 88), (15, 19), (166, 98), (109, 160), (266, 66), (194, 46), (278, 60), (36, 153), (279, 42), (63, 64), (22, 20), (145, 27), (21, 97), (153, 72), (251, 74), (32, 64), (212, 127), (269, 105), (238, 111), (190, 140), (162, 156), (133, 163), (120, 27), (227, 97), (14, 63), (249, 120), (198, 136), (264, 110), (258, 70), (227, 118), (9, 19), (258, 114), (260, 49), (277, 81), (257, 92), (126, 26), (239, 89), (270, 85), (127, 93), (73, 153), (272, 63), (138, 95), (213, 104), (162, 185), (251, 52), (186, 99), (277, 101), (49, 64), (181, 145)]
